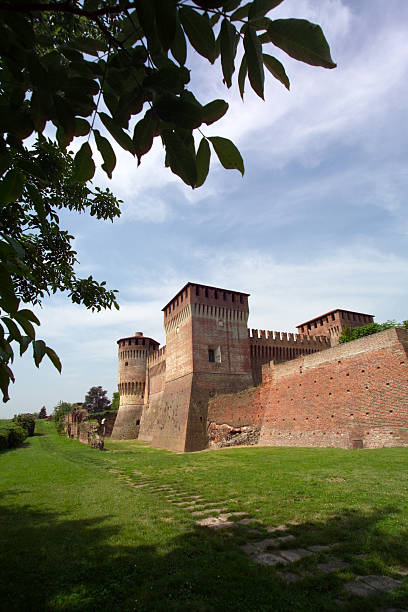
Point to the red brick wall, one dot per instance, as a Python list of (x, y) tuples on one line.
[(150, 416), (352, 394), (235, 409)]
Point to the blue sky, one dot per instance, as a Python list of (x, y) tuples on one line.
[(319, 220)]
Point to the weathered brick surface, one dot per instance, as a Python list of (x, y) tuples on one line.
[(235, 409), (133, 353), (351, 395)]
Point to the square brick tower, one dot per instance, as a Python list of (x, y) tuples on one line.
[(207, 352), (332, 323)]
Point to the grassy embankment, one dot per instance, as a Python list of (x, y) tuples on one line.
[(75, 536)]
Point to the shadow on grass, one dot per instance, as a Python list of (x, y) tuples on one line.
[(25, 444), (52, 563)]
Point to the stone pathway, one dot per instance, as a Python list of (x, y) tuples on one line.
[(270, 551)]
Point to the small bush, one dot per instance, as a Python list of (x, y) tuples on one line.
[(351, 333), (26, 421), (11, 435)]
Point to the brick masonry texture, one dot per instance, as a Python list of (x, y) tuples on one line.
[(216, 382), (354, 395)]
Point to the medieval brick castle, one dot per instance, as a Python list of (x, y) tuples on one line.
[(216, 382)]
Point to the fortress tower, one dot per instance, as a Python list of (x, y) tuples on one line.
[(332, 323), (132, 353), (207, 352)]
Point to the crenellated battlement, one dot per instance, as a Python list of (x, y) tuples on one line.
[(156, 357), (268, 337)]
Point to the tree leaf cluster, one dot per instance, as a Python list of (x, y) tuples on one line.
[(117, 72), (36, 254), (352, 333), (102, 72), (96, 400)]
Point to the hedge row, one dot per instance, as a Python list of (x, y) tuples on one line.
[(11, 435)]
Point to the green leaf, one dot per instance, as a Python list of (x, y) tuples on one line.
[(144, 133), (179, 47), (276, 69), (203, 162), (181, 112), (243, 71), (38, 351), (253, 54), (179, 157), (166, 21), (24, 344), (214, 110), (241, 12), (54, 358), (227, 153), (123, 139), (8, 299), (82, 127), (6, 375), (38, 113), (88, 45), (199, 32), (12, 328), (84, 166), (11, 187), (228, 35), (302, 40), (147, 19), (108, 154), (260, 8), (231, 5), (26, 325), (28, 315)]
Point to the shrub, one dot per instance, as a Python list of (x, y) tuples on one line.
[(27, 421), (11, 435), (351, 333)]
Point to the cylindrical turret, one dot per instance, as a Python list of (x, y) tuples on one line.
[(132, 353)]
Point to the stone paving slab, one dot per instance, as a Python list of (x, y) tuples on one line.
[(368, 585), (214, 522), (250, 549), (319, 548), (382, 583), (289, 576), (229, 514), (359, 588), (271, 529), (271, 559), (209, 511), (332, 565), (294, 554)]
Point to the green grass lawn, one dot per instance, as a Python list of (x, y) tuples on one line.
[(76, 536)]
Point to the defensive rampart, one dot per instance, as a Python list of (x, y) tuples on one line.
[(354, 395), (266, 346)]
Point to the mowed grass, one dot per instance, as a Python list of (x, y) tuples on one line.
[(75, 536)]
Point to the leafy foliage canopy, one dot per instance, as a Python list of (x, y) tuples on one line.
[(104, 72)]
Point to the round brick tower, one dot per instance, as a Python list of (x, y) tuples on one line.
[(132, 353)]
